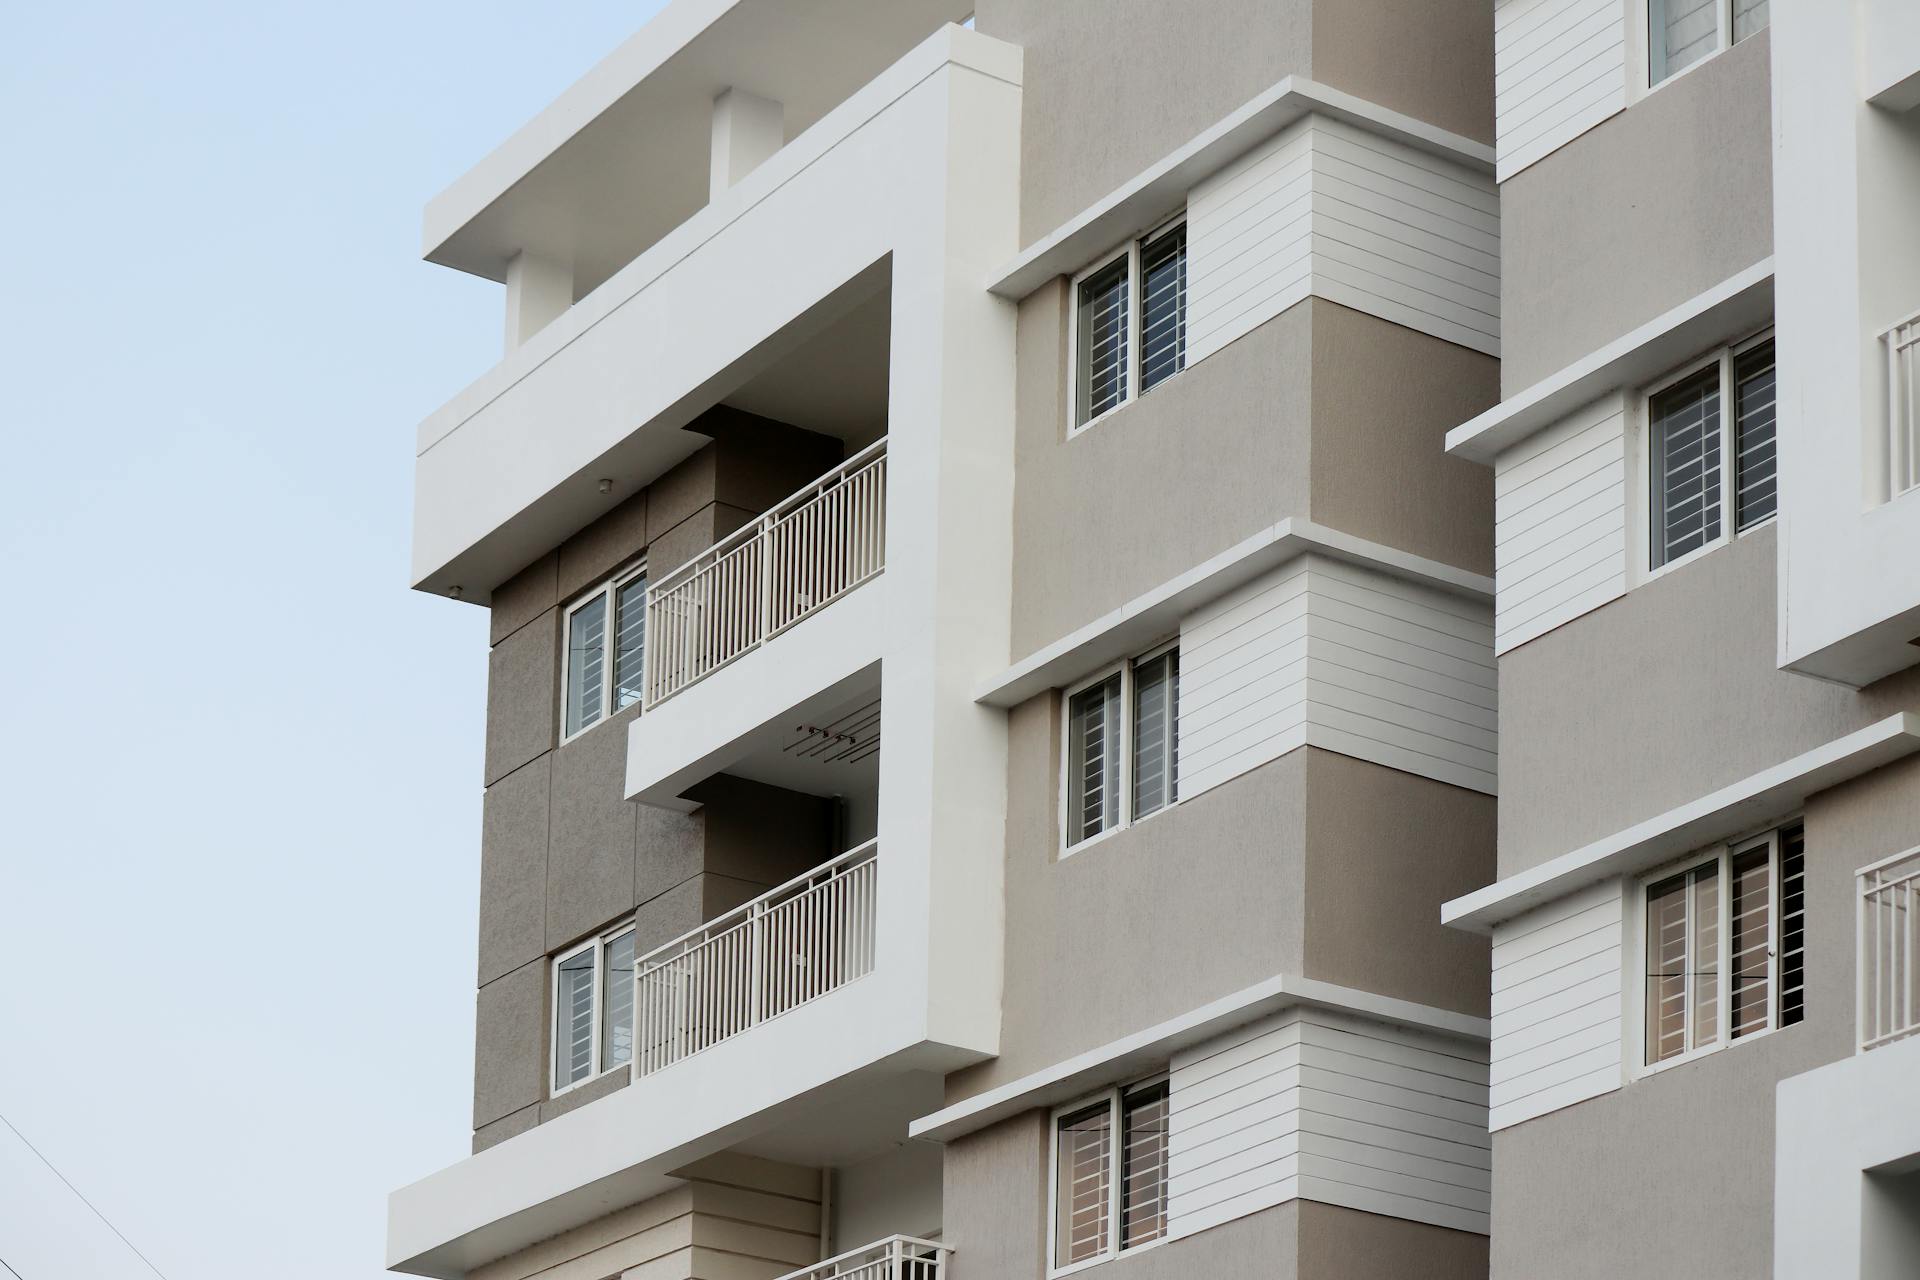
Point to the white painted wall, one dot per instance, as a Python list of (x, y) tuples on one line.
[(1556, 1005), (1832, 1126), (1560, 531), (1560, 68), (1329, 209), (1317, 1105), (1326, 653), (1847, 265)]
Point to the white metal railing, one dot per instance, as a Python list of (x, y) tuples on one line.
[(793, 944), (1903, 404), (895, 1258), (1889, 939), (753, 584)]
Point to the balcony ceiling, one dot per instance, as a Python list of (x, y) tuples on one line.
[(620, 159)]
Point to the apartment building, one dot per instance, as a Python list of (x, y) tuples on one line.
[(1707, 556), (1010, 529)]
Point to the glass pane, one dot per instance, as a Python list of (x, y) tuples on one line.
[(629, 640), (1163, 307), (1753, 448), (616, 1037), (1686, 466), (1093, 760), (1793, 926), (573, 1020), (1081, 1204), (1703, 955), (1102, 357), (586, 663), (1143, 1165), (1679, 34), (1751, 940), (1749, 16), (1156, 711), (1666, 997)]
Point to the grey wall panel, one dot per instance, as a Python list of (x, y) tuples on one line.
[(513, 870), (510, 1039), (1657, 699), (1663, 201)]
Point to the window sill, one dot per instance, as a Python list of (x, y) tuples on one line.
[(1067, 851), (582, 1083), (1074, 1269)]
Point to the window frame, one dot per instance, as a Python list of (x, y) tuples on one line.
[(1114, 1096), (1723, 358), (1128, 692), (597, 944), (608, 589), (1640, 30), (1721, 857), (1136, 315)]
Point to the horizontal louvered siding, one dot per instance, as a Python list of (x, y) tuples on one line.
[(1330, 209), (1405, 236), (1560, 68), (1316, 1105), (1556, 1005), (1249, 241), (1345, 658), (1560, 525)]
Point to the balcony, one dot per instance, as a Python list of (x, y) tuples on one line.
[(1889, 939), (895, 1258), (790, 946), (801, 556)]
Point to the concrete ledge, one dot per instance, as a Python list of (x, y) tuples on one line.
[(1151, 616), (1752, 800), (1731, 309), (1065, 1081)]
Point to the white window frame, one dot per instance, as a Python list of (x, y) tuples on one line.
[(1720, 857), (1643, 542), (1131, 252), (608, 589), (1640, 81), (1113, 1095), (596, 1068), (1125, 667)]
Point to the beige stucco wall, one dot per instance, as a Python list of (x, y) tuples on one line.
[(1634, 217), (1323, 413), (1657, 699), (1112, 86), (1590, 1190)]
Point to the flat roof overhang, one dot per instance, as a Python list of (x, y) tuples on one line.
[(621, 158)]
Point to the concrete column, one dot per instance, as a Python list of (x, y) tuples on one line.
[(747, 128), (538, 290)]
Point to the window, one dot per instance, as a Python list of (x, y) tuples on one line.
[(593, 1008), (1135, 301), (617, 607), (1091, 1221), (1702, 478), (1682, 32), (1725, 947), (1123, 749)]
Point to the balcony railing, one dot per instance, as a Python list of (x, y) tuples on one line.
[(753, 584), (1903, 404), (895, 1258), (796, 943), (1889, 939)]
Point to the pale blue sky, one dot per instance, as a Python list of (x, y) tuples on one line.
[(239, 761)]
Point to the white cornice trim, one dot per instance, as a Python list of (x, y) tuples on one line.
[(1158, 191), (1156, 614), (1150, 1048), (1758, 798), (1731, 309)]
